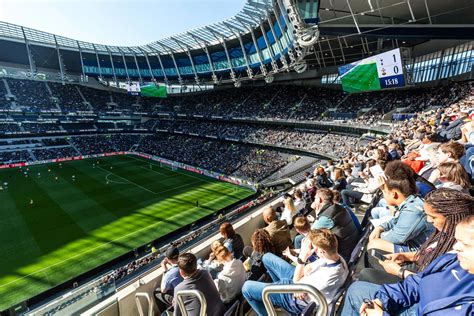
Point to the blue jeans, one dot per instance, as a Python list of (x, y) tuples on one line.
[(380, 212), (297, 241), (347, 195), (361, 290), (281, 272)]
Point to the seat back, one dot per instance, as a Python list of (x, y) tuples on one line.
[(316, 296), (198, 294), (146, 296)]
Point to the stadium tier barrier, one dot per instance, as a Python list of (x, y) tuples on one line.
[(169, 163)]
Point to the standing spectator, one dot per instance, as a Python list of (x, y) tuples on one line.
[(195, 279)]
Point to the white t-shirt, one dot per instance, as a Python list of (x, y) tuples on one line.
[(326, 277), (287, 216)]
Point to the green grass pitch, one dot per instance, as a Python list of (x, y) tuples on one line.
[(362, 78), (74, 225)]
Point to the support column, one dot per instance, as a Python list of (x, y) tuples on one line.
[(113, 68), (31, 61), (232, 73), (60, 60), (138, 68), (148, 63), (98, 62), (125, 64), (263, 69), (270, 49), (82, 61)]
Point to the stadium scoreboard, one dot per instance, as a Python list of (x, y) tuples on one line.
[(377, 72)]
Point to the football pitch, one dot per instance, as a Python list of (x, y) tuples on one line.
[(63, 220), (363, 77)]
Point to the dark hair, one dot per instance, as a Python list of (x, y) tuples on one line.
[(455, 206), (187, 263), (262, 241), (400, 177), (227, 230)]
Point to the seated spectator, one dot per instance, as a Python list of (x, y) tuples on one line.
[(211, 264), (452, 175), (299, 201), (170, 279), (447, 152), (340, 182), (261, 244), (322, 178), (444, 208), (230, 280), (195, 279), (278, 230), (348, 175), (232, 241), (361, 191), (409, 230), (302, 227), (327, 274), (337, 219), (337, 200), (289, 210), (445, 287)]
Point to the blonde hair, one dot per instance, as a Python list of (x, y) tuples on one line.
[(289, 204), (222, 253), (215, 244), (455, 172)]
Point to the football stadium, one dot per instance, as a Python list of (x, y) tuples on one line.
[(301, 157)]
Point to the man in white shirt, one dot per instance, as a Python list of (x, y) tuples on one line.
[(327, 274)]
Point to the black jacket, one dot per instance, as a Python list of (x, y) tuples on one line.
[(344, 228)]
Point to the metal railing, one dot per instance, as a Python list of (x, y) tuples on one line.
[(315, 294), (198, 294)]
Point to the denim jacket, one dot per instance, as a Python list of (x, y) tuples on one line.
[(410, 227)]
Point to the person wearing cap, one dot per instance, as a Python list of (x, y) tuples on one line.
[(171, 278)]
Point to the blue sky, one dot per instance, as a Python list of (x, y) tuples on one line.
[(117, 22)]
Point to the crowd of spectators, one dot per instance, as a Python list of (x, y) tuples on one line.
[(334, 145), (31, 95), (54, 152), (7, 157), (215, 155), (69, 98), (420, 174)]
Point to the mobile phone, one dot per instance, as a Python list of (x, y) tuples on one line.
[(378, 255), (369, 303)]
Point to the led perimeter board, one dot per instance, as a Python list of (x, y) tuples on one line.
[(377, 72)]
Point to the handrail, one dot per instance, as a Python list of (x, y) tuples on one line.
[(198, 294), (139, 303), (315, 294)]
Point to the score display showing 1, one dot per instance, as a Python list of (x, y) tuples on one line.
[(373, 73), (390, 69)]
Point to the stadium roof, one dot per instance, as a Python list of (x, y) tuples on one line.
[(249, 17)]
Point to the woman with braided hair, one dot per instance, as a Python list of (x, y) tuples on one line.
[(444, 208)]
